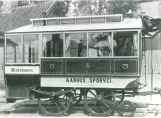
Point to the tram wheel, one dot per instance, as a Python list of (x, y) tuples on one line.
[(120, 94), (126, 108), (58, 105), (98, 104), (77, 96)]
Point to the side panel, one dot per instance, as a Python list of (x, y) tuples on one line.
[(90, 66), (18, 86), (125, 66), (19, 79), (87, 82), (89, 72)]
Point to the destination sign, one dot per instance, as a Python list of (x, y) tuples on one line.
[(22, 70), (92, 82)]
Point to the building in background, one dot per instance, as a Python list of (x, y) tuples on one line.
[(17, 15), (8, 6)]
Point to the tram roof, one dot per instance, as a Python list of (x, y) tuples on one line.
[(126, 24)]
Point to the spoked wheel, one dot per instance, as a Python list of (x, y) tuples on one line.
[(77, 96), (99, 103), (126, 109), (55, 105), (119, 94)]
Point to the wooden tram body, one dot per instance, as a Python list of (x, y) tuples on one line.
[(54, 57)]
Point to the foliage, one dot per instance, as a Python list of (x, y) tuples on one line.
[(102, 7), (121, 6), (61, 8)]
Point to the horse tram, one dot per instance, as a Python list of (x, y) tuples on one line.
[(65, 61)]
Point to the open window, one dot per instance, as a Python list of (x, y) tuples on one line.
[(75, 44), (14, 49), (22, 48), (31, 48), (125, 43), (100, 44), (52, 45)]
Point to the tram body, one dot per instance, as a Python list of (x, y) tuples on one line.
[(88, 52)]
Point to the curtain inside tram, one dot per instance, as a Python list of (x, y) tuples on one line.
[(31, 48)]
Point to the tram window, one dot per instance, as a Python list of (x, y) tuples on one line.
[(75, 45), (52, 45), (31, 48), (125, 43), (99, 44), (14, 49)]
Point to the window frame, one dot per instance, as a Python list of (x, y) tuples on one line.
[(73, 32), (102, 32), (22, 43), (46, 33), (6, 47), (38, 48), (40, 35), (138, 41), (76, 33), (87, 32)]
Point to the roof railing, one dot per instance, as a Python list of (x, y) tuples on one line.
[(77, 20)]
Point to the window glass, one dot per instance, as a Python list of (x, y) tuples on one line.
[(14, 49), (52, 45), (99, 44), (31, 48), (75, 45), (125, 43)]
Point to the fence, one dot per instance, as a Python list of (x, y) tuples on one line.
[(154, 63)]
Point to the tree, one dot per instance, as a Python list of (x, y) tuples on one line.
[(102, 7), (121, 6), (61, 8)]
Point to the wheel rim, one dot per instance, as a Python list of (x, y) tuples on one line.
[(77, 96), (98, 103), (55, 106)]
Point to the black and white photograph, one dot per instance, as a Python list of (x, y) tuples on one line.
[(80, 58)]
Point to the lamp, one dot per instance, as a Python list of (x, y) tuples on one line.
[(129, 14)]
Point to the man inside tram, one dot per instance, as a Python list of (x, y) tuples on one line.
[(55, 46), (103, 45), (125, 45)]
